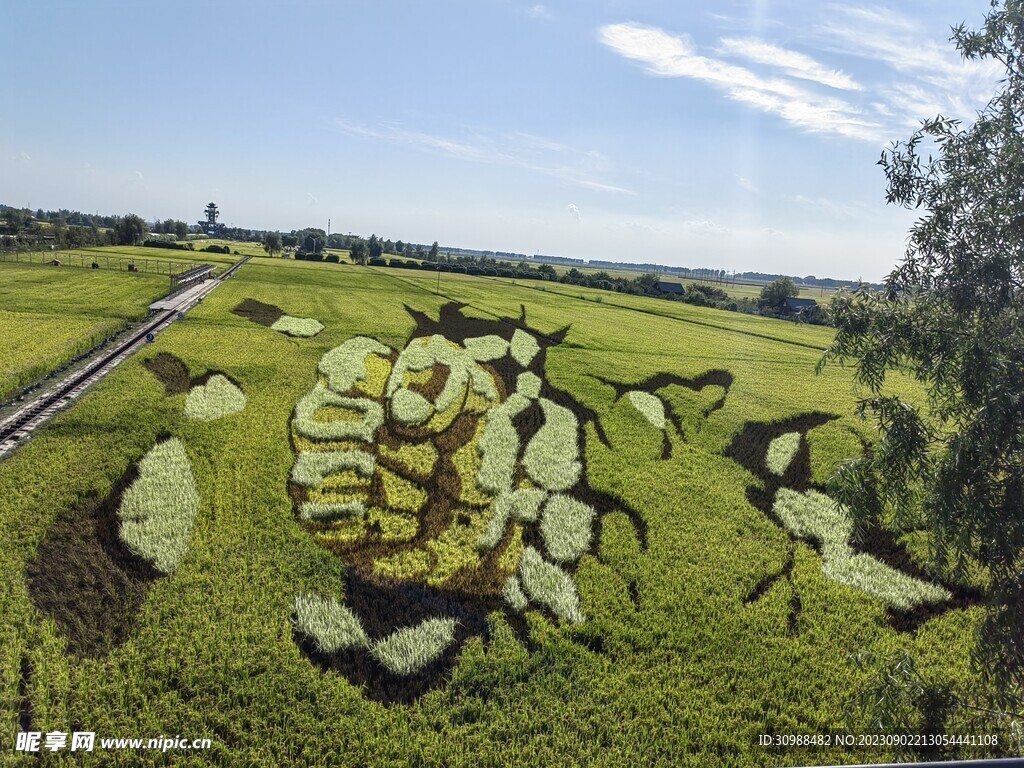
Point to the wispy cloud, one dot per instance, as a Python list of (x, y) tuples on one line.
[(932, 76), (854, 210), (791, 63), (572, 165), (916, 75), (24, 157), (746, 184), (667, 55), (538, 11)]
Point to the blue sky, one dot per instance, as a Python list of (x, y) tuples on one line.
[(735, 135)]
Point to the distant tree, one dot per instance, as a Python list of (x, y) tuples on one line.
[(400, 247), (17, 219), (775, 293), (951, 317), (432, 256), (389, 247), (375, 247), (289, 241), (272, 243), (359, 251), (180, 230), (130, 230)]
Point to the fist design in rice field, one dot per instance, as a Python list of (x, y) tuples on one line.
[(449, 477)]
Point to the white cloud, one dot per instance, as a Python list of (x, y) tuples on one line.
[(746, 184), (668, 55), (917, 74), (573, 210), (24, 157), (599, 187), (841, 210), (927, 75), (790, 62), (538, 11), (569, 164)]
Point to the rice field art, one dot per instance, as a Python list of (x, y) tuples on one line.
[(449, 477), (451, 530)]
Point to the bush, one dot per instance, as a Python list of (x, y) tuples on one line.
[(428, 265), (377, 262), (154, 243), (333, 258), (217, 249), (398, 263)]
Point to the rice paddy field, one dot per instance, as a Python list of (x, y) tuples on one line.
[(335, 518), (48, 315)]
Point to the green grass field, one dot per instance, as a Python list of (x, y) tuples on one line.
[(48, 315), (664, 613)]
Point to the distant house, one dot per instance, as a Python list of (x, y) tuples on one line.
[(670, 286), (802, 307)]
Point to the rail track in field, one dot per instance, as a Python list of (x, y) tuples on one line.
[(20, 425)]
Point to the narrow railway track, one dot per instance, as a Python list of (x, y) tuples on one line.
[(20, 425)]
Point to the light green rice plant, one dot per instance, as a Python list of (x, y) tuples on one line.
[(550, 586), (566, 527), (499, 446), (346, 364), (483, 349), (551, 457), (895, 588), (407, 651), (311, 467), (526, 503), (321, 397), (330, 625), (513, 594), (213, 400), (814, 515), (421, 354), (158, 510), (528, 385), (523, 347), (409, 407), (651, 406), (781, 451), (325, 511), (522, 504), (305, 327)]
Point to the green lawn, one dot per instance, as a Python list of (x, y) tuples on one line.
[(48, 315), (723, 628)]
